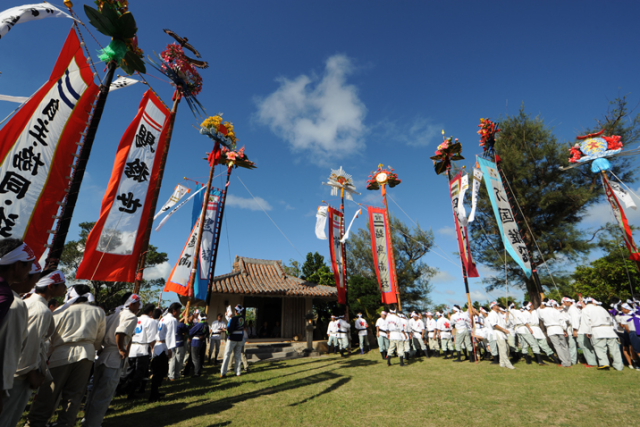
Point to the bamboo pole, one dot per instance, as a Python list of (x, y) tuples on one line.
[(196, 258), (145, 246), (60, 236), (343, 248)]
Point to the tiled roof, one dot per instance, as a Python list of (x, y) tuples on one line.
[(266, 277)]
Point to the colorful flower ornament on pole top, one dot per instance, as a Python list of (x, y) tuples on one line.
[(224, 134), (487, 132), (339, 179), (596, 147), (113, 19), (447, 152), (381, 177)]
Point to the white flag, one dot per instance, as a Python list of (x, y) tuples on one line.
[(16, 99), (477, 180), (462, 212), (346, 234), (178, 194), (177, 208), (321, 222), (121, 82), (29, 12), (623, 195)]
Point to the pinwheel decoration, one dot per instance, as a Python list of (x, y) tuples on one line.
[(382, 177), (447, 152), (340, 180), (596, 148)]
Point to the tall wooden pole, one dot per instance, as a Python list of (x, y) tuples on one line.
[(196, 258), (343, 248), (163, 162), (60, 236), (383, 188)]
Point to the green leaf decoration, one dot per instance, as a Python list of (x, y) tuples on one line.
[(133, 63), (100, 21), (127, 27)]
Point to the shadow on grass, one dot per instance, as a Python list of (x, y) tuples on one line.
[(170, 413)]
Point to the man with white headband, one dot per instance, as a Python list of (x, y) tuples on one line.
[(462, 322), (363, 332), (573, 315), (72, 355), (343, 331), (525, 332), (332, 333), (599, 328), (163, 349), (430, 325), (15, 263), (396, 336), (497, 323), (217, 329), (556, 330), (540, 337), (32, 366), (444, 328), (382, 334), (233, 346), (111, 360), (417, 333)]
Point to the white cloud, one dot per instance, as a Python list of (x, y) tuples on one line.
[(253, 204), (420, 133), (321, 116), (443, 277), (447, 231), (160, 271)]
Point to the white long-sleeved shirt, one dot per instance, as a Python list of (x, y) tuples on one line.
[(123, 322), (13, 333), (444, 327), (552, 320), (39, 330), (598, 322), (417, 327), (495, 319), (395, 327), (361, 326), (166, 336), (144, 334), (381, 325), (78, 334)]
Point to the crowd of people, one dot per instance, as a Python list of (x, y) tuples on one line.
[(62, 355), (553, 332)]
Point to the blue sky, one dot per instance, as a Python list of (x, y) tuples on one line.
[(312, 86)]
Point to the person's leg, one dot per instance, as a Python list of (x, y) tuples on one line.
[(616, 355), (105, 381), (237, 351), (573, 349), (159, 368), (73, 390), (47, 397), (503, 353), (197, 361), (562, 349), (584, 343), (228, 347), (14, 405)]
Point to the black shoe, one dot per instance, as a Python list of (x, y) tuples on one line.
[(446, 354), (496, 360), (527, 358), (472, 357), (388, 361), (402, 361), (539, 360), (459, 359)]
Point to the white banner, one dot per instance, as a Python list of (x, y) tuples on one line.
[(208, 234), (346, 234), (477, 180), (321, 222), (623, 195), (29, 12), (177, 208), (461, 211), (178, 194), (121, 82), (16, 99), (182, 270)]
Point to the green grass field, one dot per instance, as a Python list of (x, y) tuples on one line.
[(363, 391)]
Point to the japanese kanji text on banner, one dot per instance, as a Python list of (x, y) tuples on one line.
[(461, 230), (336, 227), (509, 231), (383, 254), (38, 145), (113, 246)]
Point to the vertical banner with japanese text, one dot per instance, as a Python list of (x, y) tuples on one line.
[(383, 258), (457, 187), (337, 251), (38, 146), (113, 246), (621, 219), (509, 231), (178, 281)]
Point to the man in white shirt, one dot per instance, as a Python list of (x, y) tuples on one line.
[(444, 328), (585, 343), (332, 333), (217, 332), (524, 330), (430, 326), (343, 330), (16, 259), (397, 336), (599, 328), (32, 366), (382, 334), (363, 334), (80, 328), (497, 323), (462, 322), (163, 349), (417, 329), (144, 337), (573, 315), (555, 330), (120, 326)]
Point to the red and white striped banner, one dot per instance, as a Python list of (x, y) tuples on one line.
[(621, 218), (457, 198), (113, 247), (38, 146), (383, 258), (337, 251)]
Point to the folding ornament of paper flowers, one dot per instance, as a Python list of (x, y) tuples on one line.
[(383, 177), (596, 147), (224, 135), (447, 152), (487, 132), (340, 180)]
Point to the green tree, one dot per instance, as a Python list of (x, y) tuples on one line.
[(364, 296), (293, 269), (410, 245), (110, 293), (316, 271), (549, 204)]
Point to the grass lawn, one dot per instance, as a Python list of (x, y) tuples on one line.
[(363, 391)]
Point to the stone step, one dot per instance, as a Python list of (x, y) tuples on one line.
[(280, 355)]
